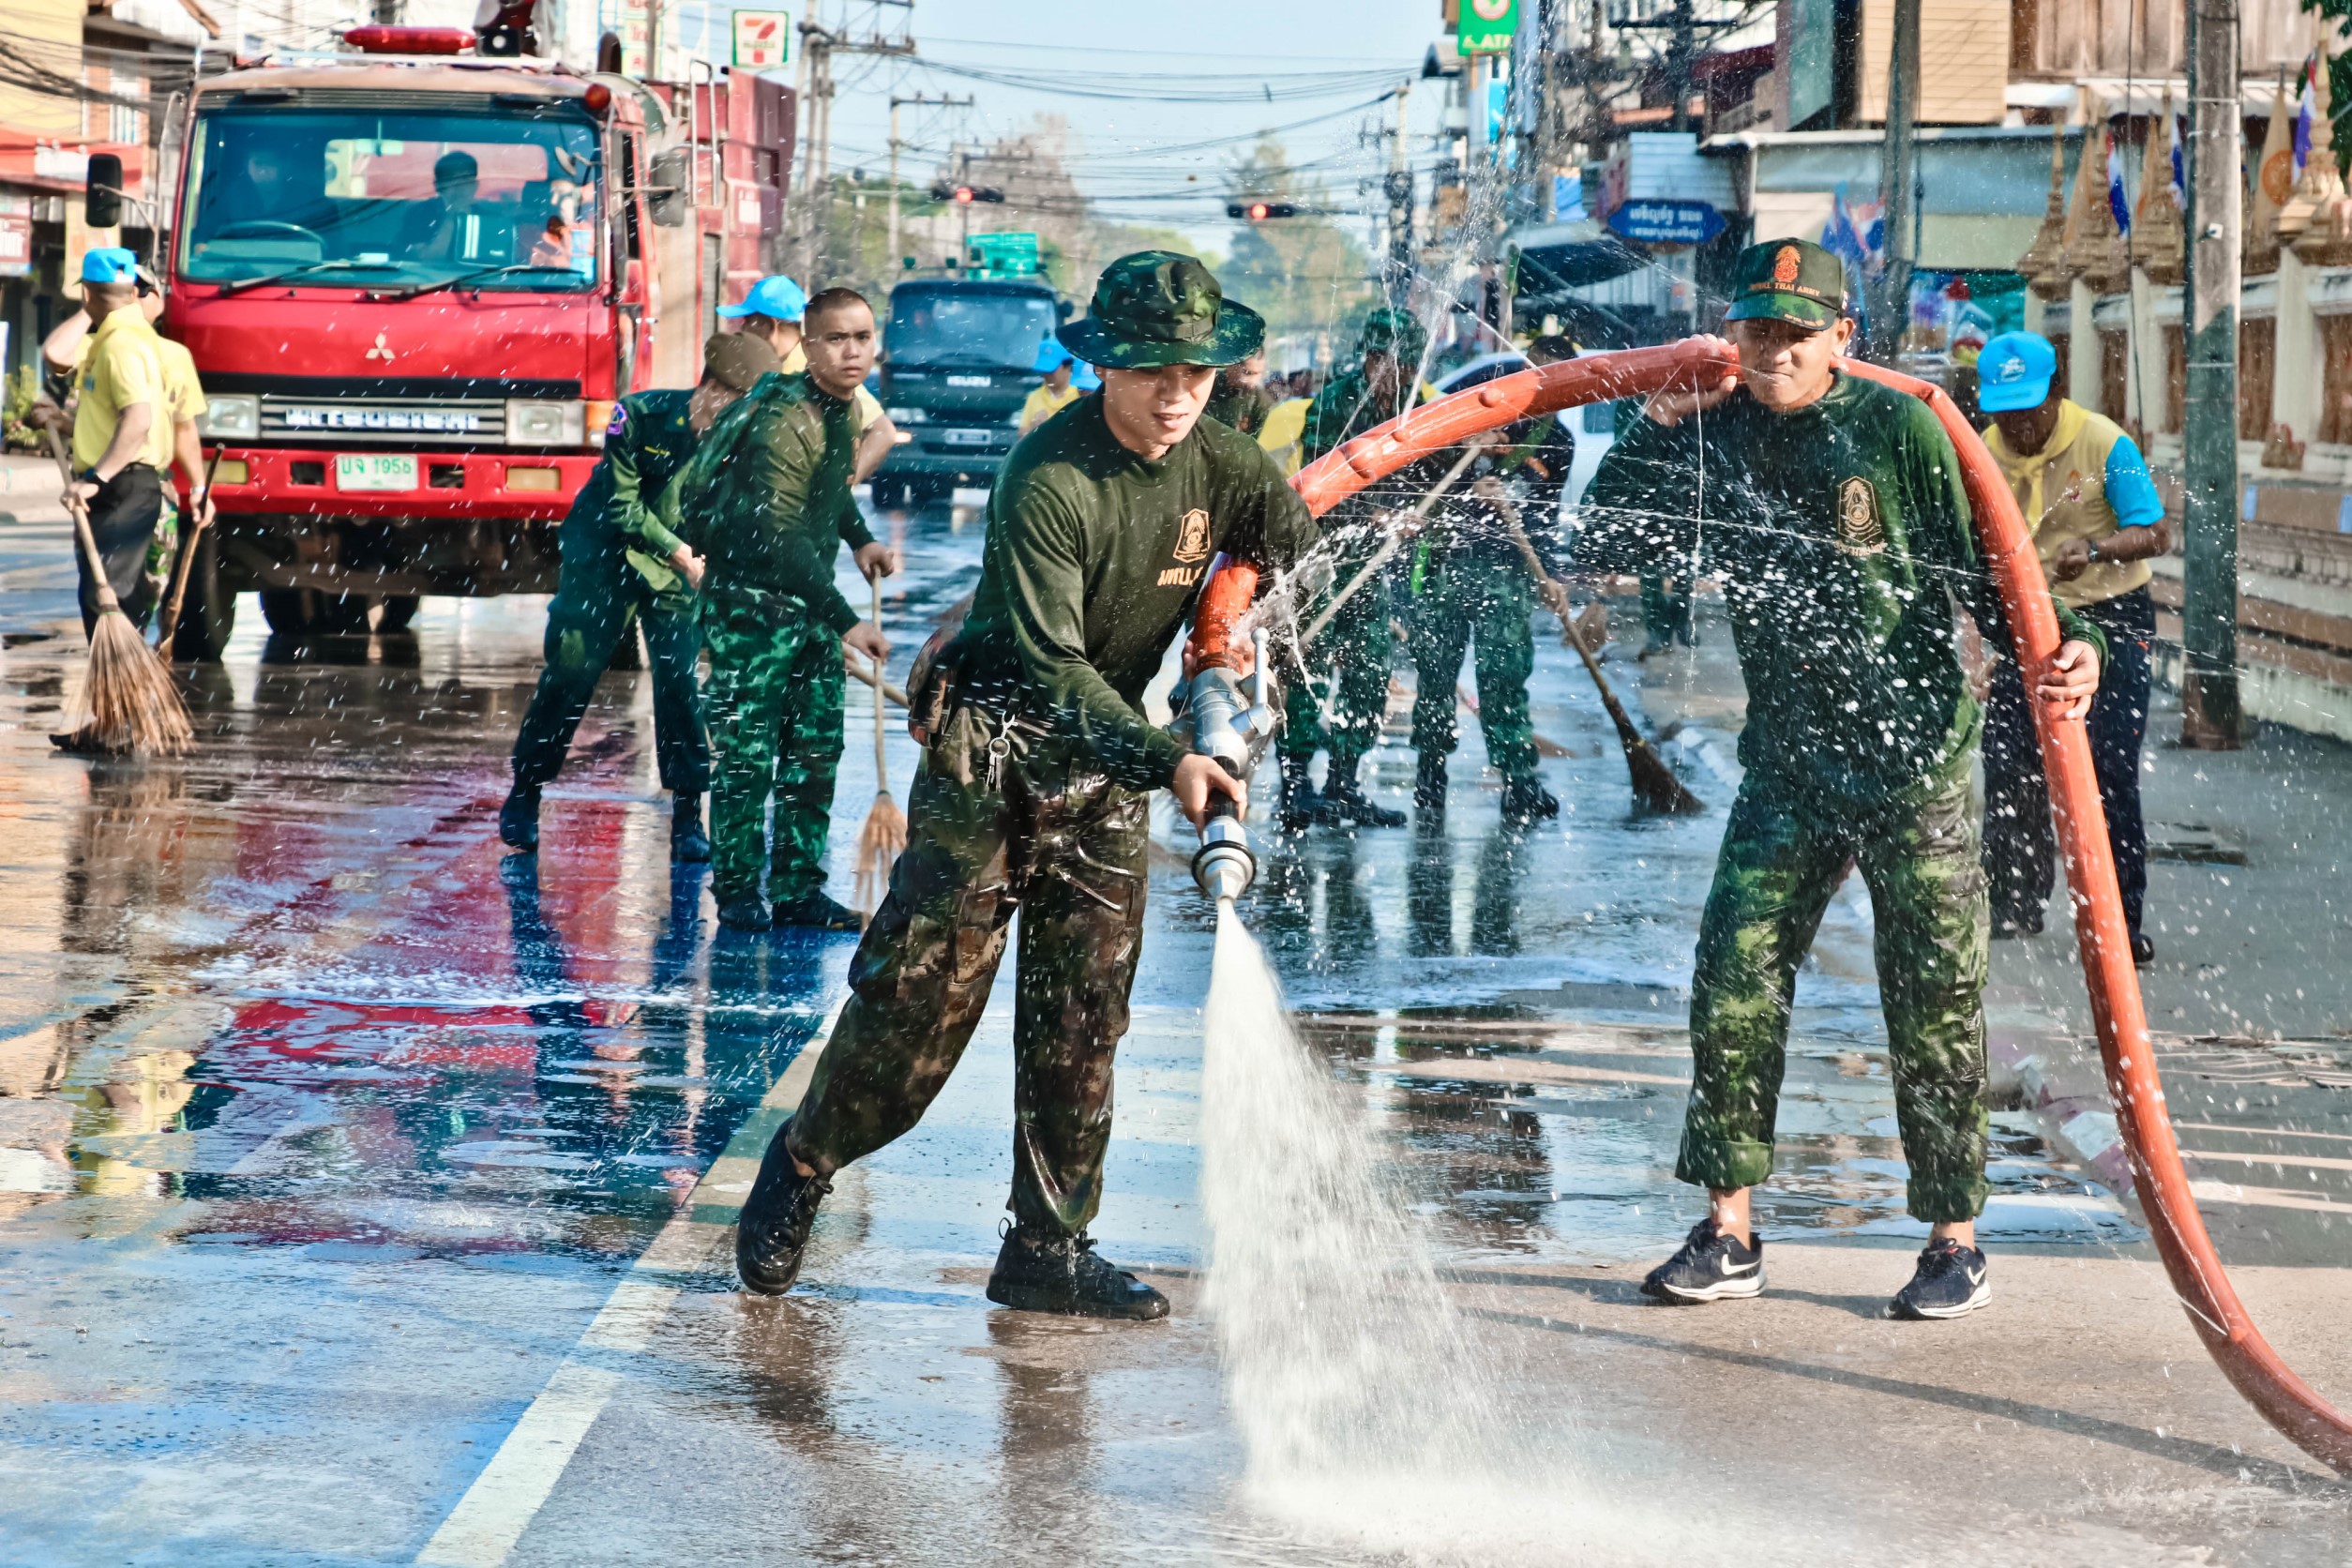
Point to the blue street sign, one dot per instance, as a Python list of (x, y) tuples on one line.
[(1668, 222)]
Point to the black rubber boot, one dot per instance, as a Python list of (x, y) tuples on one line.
[(2143, 950), (1039, 1272), (1300, 801), (777, 1217), (815, 911), (519, 819), (749, 913), (1346, 805), (1526, 800), (688, 844), (1429, 782)]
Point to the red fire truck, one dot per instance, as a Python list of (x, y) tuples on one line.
[(415, 280)]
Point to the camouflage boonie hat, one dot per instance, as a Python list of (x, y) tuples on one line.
[(736, 359), (1791, 281), (1391, 331), (1159, 307)]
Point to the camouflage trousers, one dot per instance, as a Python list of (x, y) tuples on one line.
[(1066, 850), (1347, 666), (1781, 862), (775, 733), (1491, 605), (585, 622)]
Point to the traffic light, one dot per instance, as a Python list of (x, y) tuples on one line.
[(964, 195), (1257, 212)]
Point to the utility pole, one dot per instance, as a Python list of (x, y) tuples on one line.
[(1399, 191), (2211, 718), (819, 44), (919, 100), (1898, 169)]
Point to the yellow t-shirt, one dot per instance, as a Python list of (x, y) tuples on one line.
[(181, 388), (863, 406), (122, 368), (1285, 423), (1044, 403)]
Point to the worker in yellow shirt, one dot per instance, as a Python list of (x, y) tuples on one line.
[(1056, 392), (122, 432), (1284, 432)]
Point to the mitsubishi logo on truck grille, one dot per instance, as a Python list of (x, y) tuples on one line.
[(380, 351)]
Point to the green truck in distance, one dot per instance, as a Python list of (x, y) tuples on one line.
[(959, 356)]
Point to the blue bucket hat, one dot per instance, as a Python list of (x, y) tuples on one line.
[(109, 263), (2014, 372), (778, 296)]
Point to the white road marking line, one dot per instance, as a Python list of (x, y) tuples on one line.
[(491, 1518)]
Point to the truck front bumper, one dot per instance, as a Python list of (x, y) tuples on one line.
[(299, 482)]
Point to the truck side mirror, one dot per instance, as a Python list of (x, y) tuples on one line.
[(102, 201), (670, 186), (1064, 309)]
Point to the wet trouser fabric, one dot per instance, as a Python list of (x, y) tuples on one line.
[(1781, 862), (584, 627), (1488, 605), (122, 516), (1064, 850), (1348, 667), (775, 726), (1665, 608), (2020, 843)]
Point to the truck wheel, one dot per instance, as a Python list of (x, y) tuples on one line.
[(310, 612), (341, 614), (889, 492), (930, 492), (397, 611), (290, 612), (208, 615)]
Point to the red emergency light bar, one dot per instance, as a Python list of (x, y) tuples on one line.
[(380, 40)]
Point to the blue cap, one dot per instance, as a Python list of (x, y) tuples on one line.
[(1052, 356), (778, 296), (109, 263), (2014, 372)]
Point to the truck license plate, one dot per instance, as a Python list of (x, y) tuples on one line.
[(970, 438), (370, 471)]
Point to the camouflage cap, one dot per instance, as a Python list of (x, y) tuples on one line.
[(1391, 331), (736, 359), (1791, 281), (1160, 308)]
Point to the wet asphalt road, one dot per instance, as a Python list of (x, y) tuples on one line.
[(364, 1191)]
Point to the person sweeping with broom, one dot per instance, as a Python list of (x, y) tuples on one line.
[(1832, 510)]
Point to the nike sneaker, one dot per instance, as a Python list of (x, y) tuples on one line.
[(1950, 1283), (1711, 1267)]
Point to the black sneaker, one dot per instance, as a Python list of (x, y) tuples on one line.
[(1300, 799), (1060, 1274), (774, 1227), (815, 911), (749, 913), (1950, 1283), (1711, 1267), (2143, 950), (1526, 800), (519, 819), (2022, 923), (1429, 782), (690, 845)]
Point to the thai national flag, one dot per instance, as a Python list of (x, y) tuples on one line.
[(2306, 112), (2117, 203)]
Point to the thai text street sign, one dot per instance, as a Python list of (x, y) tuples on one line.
[(1668, 222), (1002, 255)]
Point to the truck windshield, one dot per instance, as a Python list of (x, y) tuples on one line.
[(346, 197), (968, 326)]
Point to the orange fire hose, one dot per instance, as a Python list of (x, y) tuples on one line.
[(2221, 1319)]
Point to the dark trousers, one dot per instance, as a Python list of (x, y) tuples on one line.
[(2020, 844), (122, 516), (583, 628)]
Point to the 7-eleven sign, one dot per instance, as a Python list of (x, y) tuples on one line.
[(1488, 26), (764, 40)]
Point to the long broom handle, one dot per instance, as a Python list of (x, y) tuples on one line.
[(107, 601), (866, 673), (1395, 537), (169, 621), (1626, 733), (882, 764)]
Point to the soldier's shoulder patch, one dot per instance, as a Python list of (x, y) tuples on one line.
[(1192, 537), (619, 422), (1859, 529)]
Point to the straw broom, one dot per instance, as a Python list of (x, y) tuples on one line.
[(886, 832), (128, 701)]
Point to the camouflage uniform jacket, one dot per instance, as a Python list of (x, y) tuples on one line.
[(648, 442), (1843, 537), (767, 498), (1093, 561)]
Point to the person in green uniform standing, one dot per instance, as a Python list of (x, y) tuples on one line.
[(623, 565), (768, 498), (1240, 398), (1472, 582), (1832, 509), (1347, 668), (1034, 791)]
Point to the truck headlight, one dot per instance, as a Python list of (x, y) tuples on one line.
[(536, 424), (230, 418)]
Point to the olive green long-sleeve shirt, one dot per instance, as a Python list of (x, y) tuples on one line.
[(1093, 561), (767, 498), (1843, 536)]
